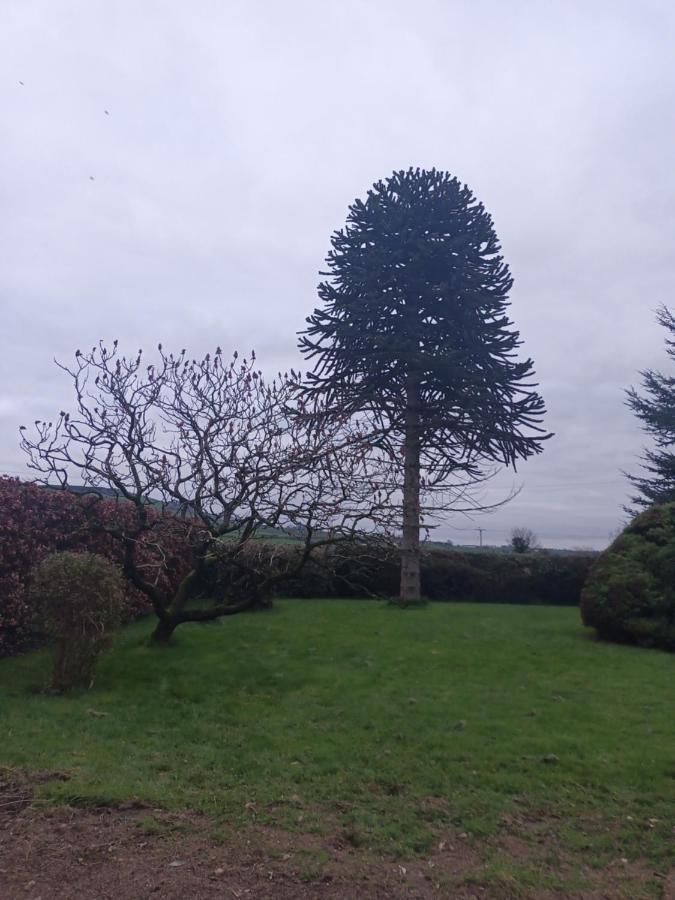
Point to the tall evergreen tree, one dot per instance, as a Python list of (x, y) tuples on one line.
[(413, 330), (656, 410)]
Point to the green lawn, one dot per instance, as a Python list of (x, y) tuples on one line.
[(389, 726)]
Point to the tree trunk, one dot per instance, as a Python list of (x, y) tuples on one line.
[(163, 631), (172, 616), (410, 546)]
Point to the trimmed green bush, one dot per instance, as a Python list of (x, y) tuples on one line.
[(630, 594), (79, 600)]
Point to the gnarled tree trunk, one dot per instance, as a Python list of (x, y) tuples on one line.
[(163, 631)]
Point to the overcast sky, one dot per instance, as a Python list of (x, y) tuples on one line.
[(173, 171)]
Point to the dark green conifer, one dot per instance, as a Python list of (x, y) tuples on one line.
[(413, 329), (656, 410)]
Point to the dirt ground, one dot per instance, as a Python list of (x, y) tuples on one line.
[(63, 853)]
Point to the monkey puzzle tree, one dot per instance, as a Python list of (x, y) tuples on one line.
[(413, 329)]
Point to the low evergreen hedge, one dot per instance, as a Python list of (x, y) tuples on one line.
[(554, 579)]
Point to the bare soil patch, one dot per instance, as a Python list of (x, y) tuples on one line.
[(132, 851)]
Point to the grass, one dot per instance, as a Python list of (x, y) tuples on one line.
[(392, 727)]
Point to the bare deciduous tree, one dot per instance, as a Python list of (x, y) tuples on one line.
[(226, 454), (523, 540)]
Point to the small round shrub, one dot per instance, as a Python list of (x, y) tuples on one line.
[(79, 600), (630, 593)]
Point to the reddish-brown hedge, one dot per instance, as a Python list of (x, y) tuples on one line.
[(36, 522)]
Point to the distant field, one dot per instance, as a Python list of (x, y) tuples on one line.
[(389, 728)]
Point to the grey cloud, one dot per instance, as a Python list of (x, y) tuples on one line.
[(237, 133)]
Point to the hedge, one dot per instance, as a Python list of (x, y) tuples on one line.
[(554, 579), (36, 522)]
